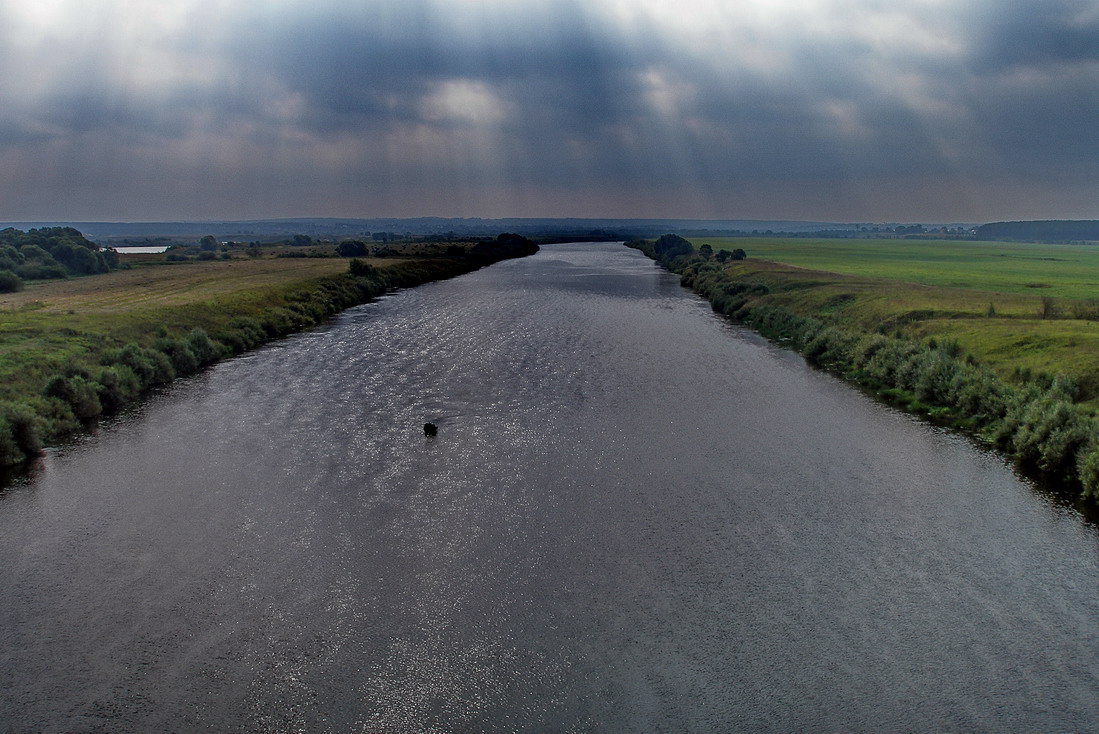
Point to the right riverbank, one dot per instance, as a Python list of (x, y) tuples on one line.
[(990, 363)]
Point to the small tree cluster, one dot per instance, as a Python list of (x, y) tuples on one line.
[(49, 253), (353, 248)]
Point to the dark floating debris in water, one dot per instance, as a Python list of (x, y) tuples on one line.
[(430, 429)]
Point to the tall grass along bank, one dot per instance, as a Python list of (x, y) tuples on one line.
[(863, 329), (77, 349)]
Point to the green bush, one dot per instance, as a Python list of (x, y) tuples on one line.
[(1087, 469), (10, 453), (40, 271), (79, 393), (11, 258), (117, 386), (203, 347), (233, 341), (1047, 432), (978, 393), (242, 333), (20, 437), (865, 347), (10, 282), (151, 366), (249, 326), (179, 354), (309, 312), (279, 321), (886, 363), (828, 345), (352, 248), (935, 383)]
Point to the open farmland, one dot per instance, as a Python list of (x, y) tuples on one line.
[(1059, 271), (1016, 307), (52, 324), (151, 286)]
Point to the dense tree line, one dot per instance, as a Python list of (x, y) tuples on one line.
[(671, 250), (1054, 230), (1034, 418), (48, 253), (506, 245)]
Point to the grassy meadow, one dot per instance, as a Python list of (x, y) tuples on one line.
[(1013, 306), (1059, 271), (54, 324)]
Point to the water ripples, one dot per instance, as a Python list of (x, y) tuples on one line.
[(634, 517)]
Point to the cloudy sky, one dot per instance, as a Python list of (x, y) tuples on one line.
[(840, 110)]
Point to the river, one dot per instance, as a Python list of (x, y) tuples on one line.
[(635, 517)]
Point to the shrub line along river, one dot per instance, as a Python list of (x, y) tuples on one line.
[(635, 517)]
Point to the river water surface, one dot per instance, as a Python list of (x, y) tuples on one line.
[(635, 517)]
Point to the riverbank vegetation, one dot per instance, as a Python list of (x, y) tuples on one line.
[(1015, 365), (74, 349)]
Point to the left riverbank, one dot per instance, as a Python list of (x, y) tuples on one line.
[(71, 351)]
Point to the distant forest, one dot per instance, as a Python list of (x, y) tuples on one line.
[(1053, 230), (270, 230)]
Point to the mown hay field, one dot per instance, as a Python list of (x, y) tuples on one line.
[(166, 285), (51, 324)]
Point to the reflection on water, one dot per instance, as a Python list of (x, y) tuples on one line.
[(634, 518)]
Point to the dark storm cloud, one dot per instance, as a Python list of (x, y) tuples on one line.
[(1038, 35), (864, 109), (1033, 89), (361, 71)]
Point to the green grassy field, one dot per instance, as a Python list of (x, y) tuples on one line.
[(71, 322), (1059, 271), (1012, 306)]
